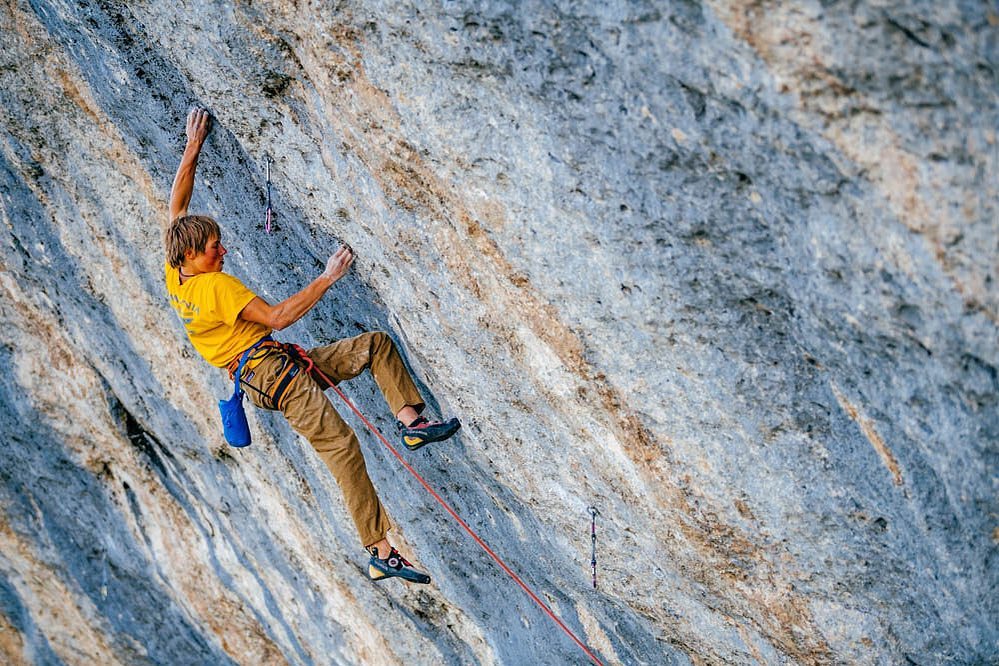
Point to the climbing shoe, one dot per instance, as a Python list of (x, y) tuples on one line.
[(394, 566), (421, 432)]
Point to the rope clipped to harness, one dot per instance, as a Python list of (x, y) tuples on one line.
[(326, 382), (309, 366)]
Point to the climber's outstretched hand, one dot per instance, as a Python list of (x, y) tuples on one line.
[(198, 124), (339, 263)]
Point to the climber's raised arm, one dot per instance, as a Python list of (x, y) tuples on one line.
[(198, 122)]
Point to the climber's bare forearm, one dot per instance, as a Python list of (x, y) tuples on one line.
[(198, 122), (290, 310), (183, 182)]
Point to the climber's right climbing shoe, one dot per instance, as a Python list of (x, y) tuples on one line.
[(394, 566), (421, 432)]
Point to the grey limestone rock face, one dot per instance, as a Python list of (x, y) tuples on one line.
[(725, 271)]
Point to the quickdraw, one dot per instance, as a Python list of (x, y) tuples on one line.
[(269, 214), (593, 540)]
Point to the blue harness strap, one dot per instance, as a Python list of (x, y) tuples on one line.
[(242, 361)]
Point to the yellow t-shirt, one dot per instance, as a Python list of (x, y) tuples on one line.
[(209, 305)]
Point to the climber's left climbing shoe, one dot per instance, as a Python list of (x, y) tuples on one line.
[(394, 566)]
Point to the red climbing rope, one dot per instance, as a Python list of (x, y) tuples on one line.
[(454, 514)]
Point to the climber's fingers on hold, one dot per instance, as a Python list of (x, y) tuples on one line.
[(198, 121)]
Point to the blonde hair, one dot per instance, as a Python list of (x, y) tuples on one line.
[(191, 232)]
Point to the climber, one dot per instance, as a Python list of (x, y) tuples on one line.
[(223, 319)]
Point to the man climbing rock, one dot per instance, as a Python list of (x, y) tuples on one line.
[(224, 319)]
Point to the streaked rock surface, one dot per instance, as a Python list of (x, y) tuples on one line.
[(726, 271)]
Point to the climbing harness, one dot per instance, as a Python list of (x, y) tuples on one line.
[(593, 540), (323, 381), (289, 370), (269, 214)]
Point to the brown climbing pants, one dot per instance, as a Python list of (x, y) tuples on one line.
[(311, 415)]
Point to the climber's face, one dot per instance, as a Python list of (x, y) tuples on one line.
[(211, 260)]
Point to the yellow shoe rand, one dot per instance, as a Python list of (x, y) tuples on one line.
[(375, 574), (412, 441)]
